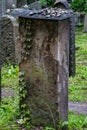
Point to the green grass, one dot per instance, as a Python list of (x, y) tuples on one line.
[(77, 122), (8, 114), (78, 84), (9, 105), (10, 76)]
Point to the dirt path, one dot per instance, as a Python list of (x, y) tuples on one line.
[(78, 107)]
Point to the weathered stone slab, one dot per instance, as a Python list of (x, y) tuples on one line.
[(9, 35), (44, 65), (85, 24)]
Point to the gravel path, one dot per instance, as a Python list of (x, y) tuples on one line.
[(78, 107)]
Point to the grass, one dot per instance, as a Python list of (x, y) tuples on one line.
[(78, 84), (77, 90), (77, 122), (9, 106)]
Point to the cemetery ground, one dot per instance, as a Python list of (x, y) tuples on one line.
[(9, 110)]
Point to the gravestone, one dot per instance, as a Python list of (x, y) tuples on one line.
[(64, 4), (85, 24), (43, 68), (9, 34), (9, 4), (20, 3)]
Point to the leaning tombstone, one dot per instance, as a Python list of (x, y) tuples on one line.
[(9, 34), (43, 67), (85, 24), (64, 4)]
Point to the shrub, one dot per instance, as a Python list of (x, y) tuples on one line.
[(79, 5)]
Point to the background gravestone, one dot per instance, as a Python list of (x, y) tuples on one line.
[(9, 3), (20, 3), (9, 35), (85, 24)]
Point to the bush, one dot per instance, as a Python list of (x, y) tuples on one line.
[(79, 5), (47, 2)]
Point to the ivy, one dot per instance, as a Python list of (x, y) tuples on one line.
[(24, 120)]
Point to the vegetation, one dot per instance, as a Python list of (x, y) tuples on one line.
[(78, 84), (79, 5), (47, 2)]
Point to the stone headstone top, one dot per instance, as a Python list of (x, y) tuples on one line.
[(47, 13), (62, 4)]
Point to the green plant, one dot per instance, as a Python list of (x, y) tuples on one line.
[(9, 76), (77, 122), (79, 5), (9, 113), (78, 84), (47, 2), (24, 120)]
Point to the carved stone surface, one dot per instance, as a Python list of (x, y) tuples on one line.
[(9, 36), (85, 24), (45, 67)]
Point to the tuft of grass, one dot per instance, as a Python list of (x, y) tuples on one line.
[(9, 114), (10, 76), (77, 122), (9, 107)]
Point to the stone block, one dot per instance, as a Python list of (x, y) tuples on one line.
[(44, 65)]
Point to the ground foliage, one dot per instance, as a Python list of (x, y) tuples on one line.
[(78, 84)]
